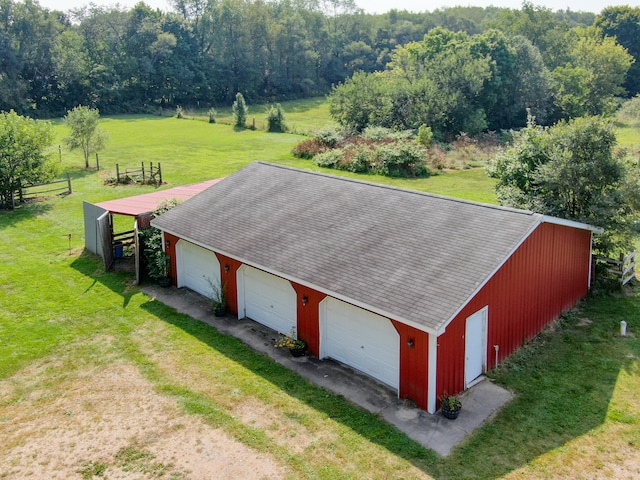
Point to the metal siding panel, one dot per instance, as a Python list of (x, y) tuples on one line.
[(309, 316), (544, 277), (414, 364), (230, 280)]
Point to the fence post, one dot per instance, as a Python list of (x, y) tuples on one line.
[(69, 183), (117, 173), (143, 172), (160, 173), (97, 162)]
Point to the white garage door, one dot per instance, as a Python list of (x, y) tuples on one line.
[(197, 267), (269, 300), (362, 340)]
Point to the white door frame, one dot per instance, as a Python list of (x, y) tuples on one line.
[(475, 346)]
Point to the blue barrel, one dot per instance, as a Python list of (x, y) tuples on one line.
[(118, 250)]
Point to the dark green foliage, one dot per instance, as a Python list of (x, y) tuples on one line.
[(450, 82), (157, 261), (623, 23), (392, 158), (468, 78), (572, 171), (240, 111), (23, 158), (275, 119)]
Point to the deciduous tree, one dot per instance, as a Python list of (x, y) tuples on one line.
[(572, 171), (85, 132), (23, 158)]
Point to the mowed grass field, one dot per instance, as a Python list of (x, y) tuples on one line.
[(97, 380)]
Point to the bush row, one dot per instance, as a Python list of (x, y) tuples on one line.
[(393, 159)]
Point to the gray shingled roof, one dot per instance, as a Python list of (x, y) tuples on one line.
[(413, 256)]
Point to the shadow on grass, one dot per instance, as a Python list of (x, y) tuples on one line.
[(334, 406), (22, 212), (564, 380), (91, 265)]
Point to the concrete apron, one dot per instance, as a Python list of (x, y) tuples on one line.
[(433, 431)]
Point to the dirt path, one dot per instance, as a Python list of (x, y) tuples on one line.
[(110, 423)]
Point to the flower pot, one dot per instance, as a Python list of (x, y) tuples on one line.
[(298, 351), (220, 311), (450, 414), (164, 281)]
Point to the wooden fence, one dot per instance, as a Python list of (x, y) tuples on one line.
[(623, 269), (151, 175), (29, 192)]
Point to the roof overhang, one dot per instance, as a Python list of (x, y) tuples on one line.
[(571, 223), (336, 295), (543, 219), (148, 202)]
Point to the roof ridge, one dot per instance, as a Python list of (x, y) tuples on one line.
[(399, 189)]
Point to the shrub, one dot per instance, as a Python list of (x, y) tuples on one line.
[(240, 111), (212, 115), (179, 112), (401, 159), (425, 135), (275, 118), (308, 148), (437, 158), (330, 136), (631, 109), (377, 134), (328, 159), (382, 134), (357, 159)]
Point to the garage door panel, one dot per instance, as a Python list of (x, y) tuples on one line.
[(199, 267), (362, 340), (269, 300)]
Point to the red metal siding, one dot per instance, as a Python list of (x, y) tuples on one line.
[(228, 270), (170, 242), (414, 364), (308, 316), (543, 278)]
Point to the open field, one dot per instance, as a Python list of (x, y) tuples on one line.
[(97, 380)]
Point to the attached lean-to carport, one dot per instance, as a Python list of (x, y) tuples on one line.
[(99, 235)]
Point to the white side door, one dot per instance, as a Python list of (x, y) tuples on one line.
[(475, 341)]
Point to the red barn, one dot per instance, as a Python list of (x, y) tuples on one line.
[(421, 292)]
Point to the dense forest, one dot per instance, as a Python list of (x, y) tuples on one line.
[(203, 52)]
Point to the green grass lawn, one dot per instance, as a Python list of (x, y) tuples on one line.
[(576, 410)]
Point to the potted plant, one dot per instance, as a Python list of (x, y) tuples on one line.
[(296, 347), (218, 298), (450, 405)]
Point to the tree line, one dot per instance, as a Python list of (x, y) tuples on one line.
[(205, 51), (455, 82)]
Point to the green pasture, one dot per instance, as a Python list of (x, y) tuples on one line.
[(576, 406)]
